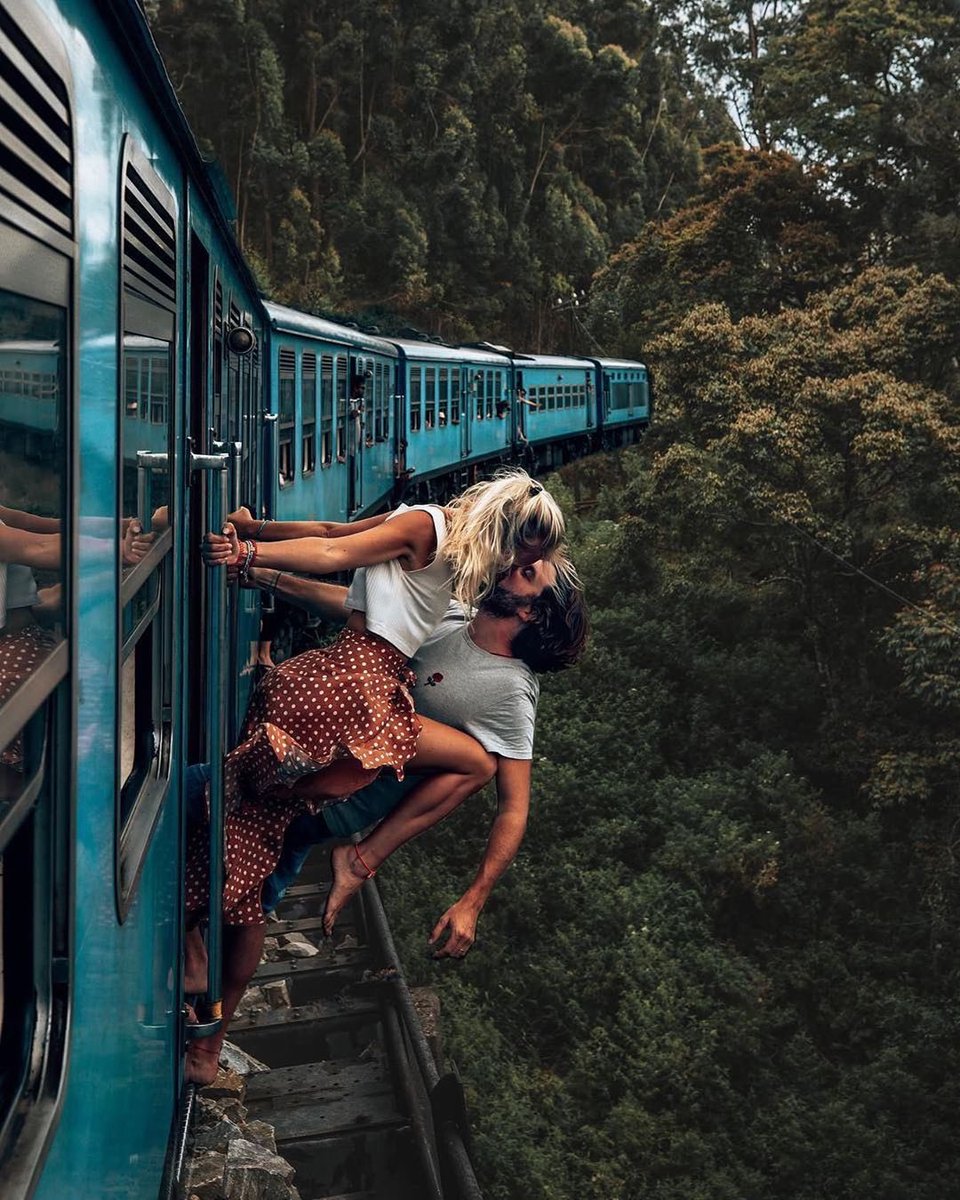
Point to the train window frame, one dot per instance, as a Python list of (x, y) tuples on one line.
[(430, 398), (326, 410), (341, 386), (286, 415), (415, 393), (308, 429), (454, 396), (147, 310), (39, 264)]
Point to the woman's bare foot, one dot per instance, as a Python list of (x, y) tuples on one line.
[(349, 876), (202, 1060), (194, 963)]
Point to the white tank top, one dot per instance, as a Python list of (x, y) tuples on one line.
[(404, 607)]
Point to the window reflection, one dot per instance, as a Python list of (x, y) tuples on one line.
[(32, 471), (144, 522)]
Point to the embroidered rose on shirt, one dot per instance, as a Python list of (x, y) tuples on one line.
[(434, 679)]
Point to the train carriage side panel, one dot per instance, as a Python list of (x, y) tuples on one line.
[(125, 997), (331, 388), (554, 397), (457, 409), (625, 399)]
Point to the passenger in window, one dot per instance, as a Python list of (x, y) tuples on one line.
[(325, 723)]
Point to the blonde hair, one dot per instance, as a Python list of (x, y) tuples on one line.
[(490, 522)]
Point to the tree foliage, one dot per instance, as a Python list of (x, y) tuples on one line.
[(462, 164), (725, 964)]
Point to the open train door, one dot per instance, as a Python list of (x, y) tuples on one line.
[(361, 374)]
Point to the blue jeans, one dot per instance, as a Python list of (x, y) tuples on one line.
[(301, 836)]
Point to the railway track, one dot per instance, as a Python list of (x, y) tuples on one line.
[(355, 1096)]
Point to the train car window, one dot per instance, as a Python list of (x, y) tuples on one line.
[(636, 395), (416, 397), (478, 389), (430, 397), (619, 395), (491, 390), (149, 301), (342, 383), (443, 396), (326, 410), (37, 252), (454, 397), (308, 377), (288, 414)]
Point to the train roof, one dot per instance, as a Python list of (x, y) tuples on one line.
[(30, 347), (289, 320), (565, 361), (620, 364), (440, 353)]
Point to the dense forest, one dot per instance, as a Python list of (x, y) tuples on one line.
[(725, 966)]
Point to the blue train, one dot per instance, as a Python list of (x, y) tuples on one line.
[(143, 379)]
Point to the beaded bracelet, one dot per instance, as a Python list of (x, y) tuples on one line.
[(249, 552)]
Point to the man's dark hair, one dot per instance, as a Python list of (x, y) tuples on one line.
[(556, 637)]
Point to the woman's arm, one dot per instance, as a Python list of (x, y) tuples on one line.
[(325, 599), (247, 526), (410, 537)]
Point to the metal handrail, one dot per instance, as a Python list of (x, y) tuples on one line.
[(449, 1151)]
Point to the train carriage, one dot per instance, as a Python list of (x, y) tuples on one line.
[(624, 399), (456, 407), (334, 417), (555, 398)]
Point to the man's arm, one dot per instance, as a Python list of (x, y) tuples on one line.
[(312, 595), (459, 922)]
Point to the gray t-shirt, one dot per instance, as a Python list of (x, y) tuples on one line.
[(492, 698)]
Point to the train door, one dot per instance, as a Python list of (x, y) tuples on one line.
[(520, 410), (400, 423), (207, 470), (361, 376), (465, 396)]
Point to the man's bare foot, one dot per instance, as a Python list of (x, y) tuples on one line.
[(194, 963), (349, 876), (202, 1060)]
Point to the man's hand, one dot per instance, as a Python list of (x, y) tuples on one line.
[(242, 520), (459, 924)]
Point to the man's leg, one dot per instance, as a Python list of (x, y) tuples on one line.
[(301, 836), (458, 767)]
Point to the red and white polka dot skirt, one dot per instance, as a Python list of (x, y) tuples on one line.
[(350, 699), (20, 655)]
